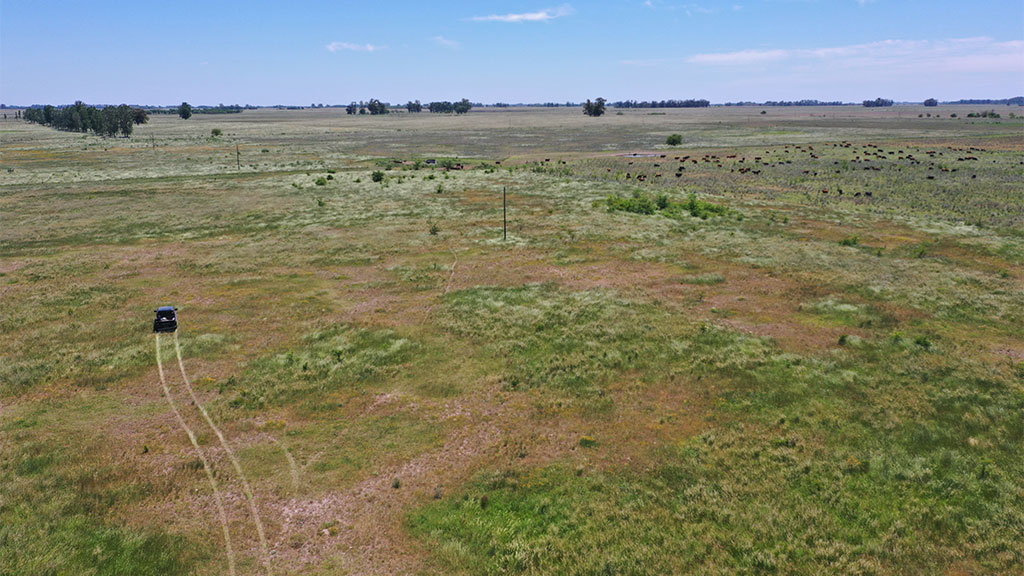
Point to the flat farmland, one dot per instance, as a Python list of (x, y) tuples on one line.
[(790, 344)]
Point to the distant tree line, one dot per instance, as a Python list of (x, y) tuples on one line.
[(1016, 101), (106, 121), (662, 104), (788, 103), (219, 109), (374, 107), (445, 107), (877, 103)]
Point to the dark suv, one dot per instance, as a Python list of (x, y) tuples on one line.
[(166, 319)]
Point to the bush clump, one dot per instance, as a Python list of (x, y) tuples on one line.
[(674, 140), (641, 203)]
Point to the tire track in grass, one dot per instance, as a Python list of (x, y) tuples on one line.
[(291, 461), (249, 496), (202, 458)]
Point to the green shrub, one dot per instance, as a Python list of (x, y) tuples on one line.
[(641, 203), (321, 181), (377, 176), (216, 132), (674, 140), (702, 209), (850, 241)]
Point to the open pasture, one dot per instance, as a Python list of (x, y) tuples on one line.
[(825, 377)]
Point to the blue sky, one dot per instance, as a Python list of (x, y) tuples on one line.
[(303, 52)]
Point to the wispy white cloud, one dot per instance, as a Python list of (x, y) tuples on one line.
[(952, 55), (689, 9), (447, 43), (741, 57), (692, 9), (538, 16), (339, 46)]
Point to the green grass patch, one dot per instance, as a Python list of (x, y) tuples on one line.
[(879, 459), (54, 500), (704, 279), (568, 341), (338, 357)]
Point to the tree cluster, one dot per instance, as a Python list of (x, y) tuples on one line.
[(414, 106), (374, 107), (788, 103), (877, 103), (595, 108), (106, 121), (221, 109), (445, 107), (1015, 101), (662, 104), (931, 102)]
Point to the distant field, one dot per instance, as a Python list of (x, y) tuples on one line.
[(791, 344)]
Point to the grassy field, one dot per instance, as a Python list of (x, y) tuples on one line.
[(792, 344)]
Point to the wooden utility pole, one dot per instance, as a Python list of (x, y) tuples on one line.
[(504, 215), (238, 158)]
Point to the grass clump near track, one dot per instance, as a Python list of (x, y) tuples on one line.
[(567, 341), (52, 500), (330, 359)]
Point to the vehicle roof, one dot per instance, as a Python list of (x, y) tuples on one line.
[(166, 308)]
